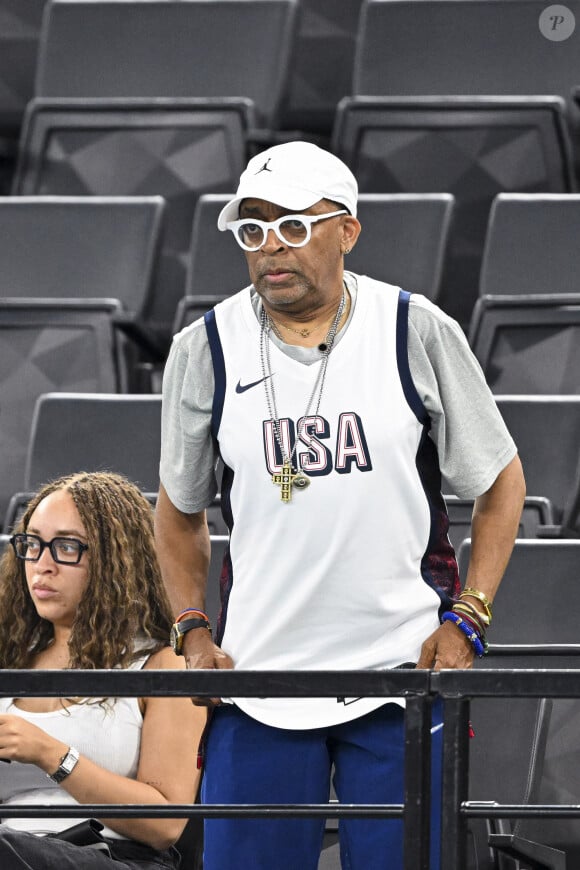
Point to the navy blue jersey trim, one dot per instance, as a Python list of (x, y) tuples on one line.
[(409, 389), (438, 564), (219, 370), (227, 571)]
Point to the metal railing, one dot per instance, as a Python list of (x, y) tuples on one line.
[(419, 688)]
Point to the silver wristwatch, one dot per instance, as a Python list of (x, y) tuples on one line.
[(66, 765)]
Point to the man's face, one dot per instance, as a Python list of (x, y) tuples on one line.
[(298, 280)]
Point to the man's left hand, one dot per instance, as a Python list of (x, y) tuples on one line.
[(447, 647)]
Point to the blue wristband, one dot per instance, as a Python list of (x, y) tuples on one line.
[(478, 644)]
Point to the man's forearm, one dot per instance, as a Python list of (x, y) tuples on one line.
[(496, 517), (183, 548)]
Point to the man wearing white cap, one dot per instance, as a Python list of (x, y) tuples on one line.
[(334, 402)]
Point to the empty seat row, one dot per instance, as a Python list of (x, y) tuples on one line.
[(104, 49), (306, 50), (398, 130), (182, 149), (108, 247)]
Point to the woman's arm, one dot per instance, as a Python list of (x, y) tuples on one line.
[(167, 771)]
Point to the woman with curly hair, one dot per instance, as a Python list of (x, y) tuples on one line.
[(81, 588)]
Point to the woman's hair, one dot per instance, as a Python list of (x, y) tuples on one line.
[(124, 611)]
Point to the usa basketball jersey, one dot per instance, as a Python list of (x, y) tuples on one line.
[(351, 572)]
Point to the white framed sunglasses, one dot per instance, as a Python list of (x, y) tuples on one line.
[(294, 230)]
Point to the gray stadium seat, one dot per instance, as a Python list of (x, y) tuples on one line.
[(403, 239), (537, 512), (19, 32), (50, 345), (169, 48), (528, 344), (74, 247), (465, 47), (473, 148), (177, 149), (101, 432), (524, 750), (217, 266), (322, 61), (539, 573), (531, 245), (546, 430)]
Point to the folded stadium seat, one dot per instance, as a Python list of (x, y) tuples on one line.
[(525, 327), (47, 345), (546, 430), (75, 247), (523, 749), (19, 35), (177, 149), (537, 512), (217, 266), (171, 49), (403, 239), (112, 432), (458, 145), (321, 68), (531, 245), (464, 48), (528, 344)]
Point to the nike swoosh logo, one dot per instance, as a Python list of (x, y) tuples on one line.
[(241, 388)]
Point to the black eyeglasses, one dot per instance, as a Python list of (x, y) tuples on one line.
[(65, 551)]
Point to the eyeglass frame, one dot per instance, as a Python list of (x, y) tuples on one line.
[(82, 548), (266, 226)]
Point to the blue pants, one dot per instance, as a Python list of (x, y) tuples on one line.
[(247, 762)]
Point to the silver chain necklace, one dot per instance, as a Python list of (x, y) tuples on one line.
[(290, 476)]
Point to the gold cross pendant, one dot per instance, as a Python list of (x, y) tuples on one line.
[(284, 479), (287, 478)]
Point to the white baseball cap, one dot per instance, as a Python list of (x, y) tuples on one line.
[(293, 175)]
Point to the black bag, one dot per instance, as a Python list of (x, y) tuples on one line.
[(87, 833)]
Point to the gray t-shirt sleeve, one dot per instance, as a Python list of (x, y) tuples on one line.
[(473, 443), (188, 451)]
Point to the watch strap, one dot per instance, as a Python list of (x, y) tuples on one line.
[(179, 630), (186, 625)]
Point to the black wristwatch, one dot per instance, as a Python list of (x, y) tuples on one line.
[(179, 629)]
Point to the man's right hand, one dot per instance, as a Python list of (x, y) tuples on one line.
[(202, 653)]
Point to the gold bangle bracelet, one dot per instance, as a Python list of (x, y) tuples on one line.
[(481, 596), (469, 610)]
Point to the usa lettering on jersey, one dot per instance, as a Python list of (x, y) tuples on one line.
[(320, 449)]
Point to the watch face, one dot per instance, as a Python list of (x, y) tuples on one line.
[(69, 763)]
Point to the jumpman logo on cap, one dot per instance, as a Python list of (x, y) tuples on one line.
[(264, 167)]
